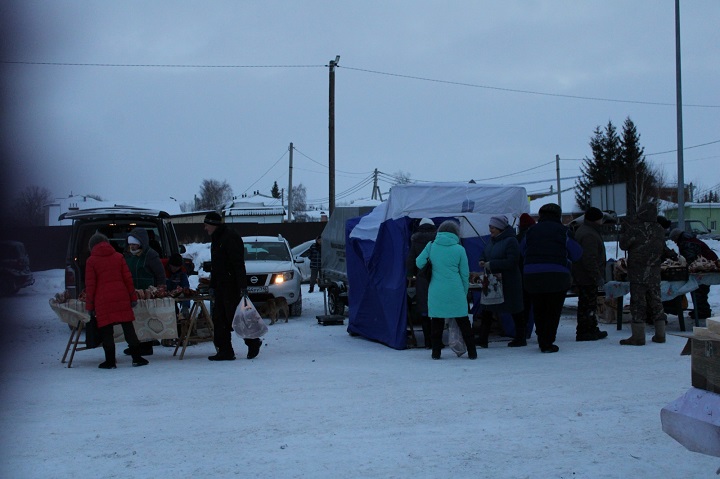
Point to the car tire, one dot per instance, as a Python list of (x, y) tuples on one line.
[(296, 307), (335, 304)]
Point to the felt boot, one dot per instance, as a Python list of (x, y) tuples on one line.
[(638, 335), (659, 331)]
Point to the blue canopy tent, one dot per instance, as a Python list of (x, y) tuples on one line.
[(377, 245)]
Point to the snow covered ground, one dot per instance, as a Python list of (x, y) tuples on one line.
[(320, 403)]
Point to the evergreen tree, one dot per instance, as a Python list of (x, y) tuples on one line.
[(598, 170), (617, 160), (275, 191), (639, 179)]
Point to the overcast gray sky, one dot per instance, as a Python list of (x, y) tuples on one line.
[(440, 90)]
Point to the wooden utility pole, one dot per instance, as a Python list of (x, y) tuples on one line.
[(557, 171), (331, 135), (290, 148)]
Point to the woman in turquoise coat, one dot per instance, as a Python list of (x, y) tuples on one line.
[(447, 294)]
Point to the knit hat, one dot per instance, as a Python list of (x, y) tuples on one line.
[(675, 234), (550, 210), (593, 214), (175, 260), (96, 239), (133, 240), (499, 222), (526, 221), (426, 221), (213, 219)]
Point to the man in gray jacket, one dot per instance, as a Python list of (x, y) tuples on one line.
[(589, 275)]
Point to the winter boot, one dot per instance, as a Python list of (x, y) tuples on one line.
[(107, 365), (659, 331), (484, 332), (638, 335), (437, 342), (426, 328), (223, 355), (520, 326), (253, 347), (138, 360)]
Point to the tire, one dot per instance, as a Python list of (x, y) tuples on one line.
[(335, 304), (296, 307)]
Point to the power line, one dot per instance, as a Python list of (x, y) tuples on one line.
[(527, 92), (153, 65), (685, 148), (266, 172), (364, 70)]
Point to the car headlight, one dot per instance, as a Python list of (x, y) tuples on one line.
[(280, 278)]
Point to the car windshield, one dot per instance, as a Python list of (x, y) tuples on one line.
[(698, 228), (266, 251)]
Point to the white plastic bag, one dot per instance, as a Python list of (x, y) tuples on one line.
[(455, 339), (247, 322)]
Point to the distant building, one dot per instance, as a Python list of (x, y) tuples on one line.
[(254, 209), (708, 213)]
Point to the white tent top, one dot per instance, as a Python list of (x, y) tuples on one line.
[(474, 202)]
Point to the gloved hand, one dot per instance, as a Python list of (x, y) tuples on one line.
[(133, 304), (211, 292), (92, 315), (243, 292)]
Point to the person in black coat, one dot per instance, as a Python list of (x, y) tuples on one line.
[(424, 234), (315, 255), (548, 252), (228, 284)]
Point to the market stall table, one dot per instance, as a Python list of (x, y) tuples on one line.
[(188, 326), (154, 319), (668, 290)]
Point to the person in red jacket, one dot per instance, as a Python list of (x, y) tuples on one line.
[(110, 296)]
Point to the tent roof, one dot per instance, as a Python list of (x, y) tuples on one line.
[(475, 202)]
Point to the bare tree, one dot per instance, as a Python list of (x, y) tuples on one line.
[(299, 201), (402, 177), (213, 194), (29, 206)]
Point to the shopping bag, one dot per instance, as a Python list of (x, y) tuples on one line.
[(492, 288), (92, 333), (247, 322), (455, 339)]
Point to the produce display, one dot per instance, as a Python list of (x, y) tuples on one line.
[(149, 293)]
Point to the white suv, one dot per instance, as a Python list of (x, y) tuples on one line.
[(271, 271)]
